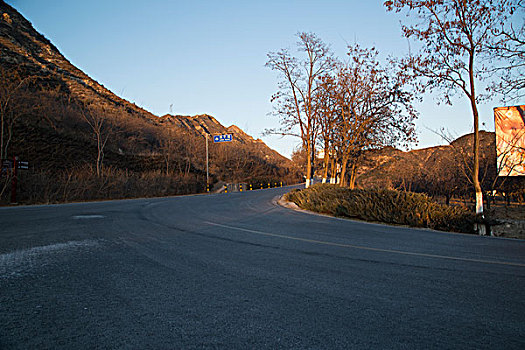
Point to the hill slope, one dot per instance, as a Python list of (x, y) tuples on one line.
[(54, 109), (440, 169)]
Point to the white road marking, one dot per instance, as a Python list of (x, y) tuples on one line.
[(494, 262), (22, 262)]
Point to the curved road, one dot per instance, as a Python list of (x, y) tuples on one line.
[(238, 271)]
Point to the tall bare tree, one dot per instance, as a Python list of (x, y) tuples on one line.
[(457, 35), (295, 99), (327, 110)]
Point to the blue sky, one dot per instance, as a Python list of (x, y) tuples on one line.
[(204, 56)]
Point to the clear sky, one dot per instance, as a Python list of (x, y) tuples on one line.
[(208, 56)]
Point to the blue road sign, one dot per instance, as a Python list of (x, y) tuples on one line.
[(223, 138)]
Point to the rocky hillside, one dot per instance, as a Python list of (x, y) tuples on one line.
[(84, 142), (381, 167), (203, 124), (442, 165), (137, 131), (23, 48)]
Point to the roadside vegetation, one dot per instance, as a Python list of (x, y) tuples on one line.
[(76, 140), (83, 184), (343, 108), (81, 151), (385, 206)]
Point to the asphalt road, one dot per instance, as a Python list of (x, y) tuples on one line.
[(238, 271)]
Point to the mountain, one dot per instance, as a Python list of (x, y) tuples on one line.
[(28, 51), (439, 169), (59, 119), (203, 124), (380, 167), (22, 47)]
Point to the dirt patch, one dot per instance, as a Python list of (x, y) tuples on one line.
[(510, 218)]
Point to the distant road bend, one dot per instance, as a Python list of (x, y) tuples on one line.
[(239, 271)]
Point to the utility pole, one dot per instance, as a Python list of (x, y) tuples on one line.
[(207, 166)]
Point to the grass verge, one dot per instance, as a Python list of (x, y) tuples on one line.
[(386, 206)]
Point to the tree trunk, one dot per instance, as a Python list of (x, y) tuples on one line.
[(308, 165), (475, 114), (475, 170), (343, 172), (479, 227), (313, 160), (333, 171), (99, 153), (2, 136), (326, 162), (353, 171)]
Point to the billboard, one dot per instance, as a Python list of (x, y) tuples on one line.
[(510, 140)]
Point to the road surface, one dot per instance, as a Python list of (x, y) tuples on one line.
[(238, 271)]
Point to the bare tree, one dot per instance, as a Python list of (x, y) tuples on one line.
[(295, 100), (169, 145), (192, 152), (510, 49), (15, 101), (372, 109), (96, 119), (456, 36)]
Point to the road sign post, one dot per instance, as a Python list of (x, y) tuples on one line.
[(216, 139), (11, 167)]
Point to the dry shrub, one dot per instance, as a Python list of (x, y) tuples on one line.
[(382, 205), (82, 184)]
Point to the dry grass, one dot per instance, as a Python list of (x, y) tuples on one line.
[(381, 205), (82, 184)]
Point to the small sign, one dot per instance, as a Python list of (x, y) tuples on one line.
[(223, 138), (7, 164)]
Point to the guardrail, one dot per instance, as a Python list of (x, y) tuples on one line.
[(243, 187)]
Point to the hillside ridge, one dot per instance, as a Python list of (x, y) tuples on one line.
[(390, 165), (22, 47)]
